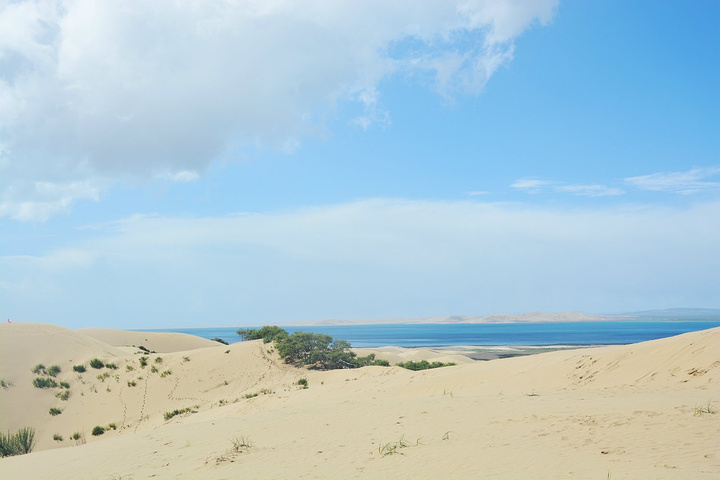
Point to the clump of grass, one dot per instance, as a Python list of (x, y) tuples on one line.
[(76, 436), (392, 448), (144, 349), (5, 384), (44, 382), (97, 363), (186, 359), (303, 382), (19, 443), (129, 368), (222, 402), (79, 368), (169, 415), (266, 391), (55, 411), (251, 395), (227, 351), (112, 426), (39, 369), (57, 437), (707, 409), (54, 370), (153, 369), (423, 365), (103, 376), (98, 430), (111, 366), (64, 395), (131, 383), (241, 442), (158, 360), (143, 362), (165, 373), (65, 385)]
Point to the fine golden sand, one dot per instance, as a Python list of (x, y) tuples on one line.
[(640, 411)]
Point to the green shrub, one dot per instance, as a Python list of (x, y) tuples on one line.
[(44, 382), (153, 369), (143, 362), (5, 385), (39, 369), (303, 382), (79, 368), (54, 370), (423, 365), (219, 340), (55, 411), (169, 415), (19, 443), (129, 368), (112, 426), (57, 437), (64, 395), (165, 373), (144, 349), (111, 366), (96, 363), (158, 360), (98, 430), (76, 436), (268, 333), (131, 383)]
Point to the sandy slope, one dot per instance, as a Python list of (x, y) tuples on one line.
[(627, 411)]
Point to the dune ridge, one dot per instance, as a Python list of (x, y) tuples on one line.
[(632, 411)]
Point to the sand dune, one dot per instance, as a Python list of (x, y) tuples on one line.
[(627, 412)]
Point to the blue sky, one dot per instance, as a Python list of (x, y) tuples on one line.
[(174, 164)]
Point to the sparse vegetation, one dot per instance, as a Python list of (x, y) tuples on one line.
[(103, 376), (55, 411), (111, 366), (219, 340), (158, 360), (165, 373), (5, 384), (79, 368), (423, 365), (98, 430), (392, 448), (707, 409), (143, 362), (303, 382), (44, 382), (54, 370), (39, 369), (77, 436), (169, 415), (144, 349), (97, 363), (64, 385), (131, 383), (186, 359), (242, 442), (64, 395), (129, 368), (57, 437), (153, 369), (112, 426), (251, 395), (19, 443)]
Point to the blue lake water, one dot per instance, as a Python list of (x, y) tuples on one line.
[(436, 335)]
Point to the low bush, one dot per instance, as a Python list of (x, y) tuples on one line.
[(111, 366), (18, 443), (219, 340), (57, 437), (98, 430), (303, 382), (112, 426), (79, 368), (423, 365), (169, 415), (39, 369), (96, 363), (54, 370), (64, 395), (165, 373), (5, 385), (44, 382), (158, 360), (55, 411), (143, 362)]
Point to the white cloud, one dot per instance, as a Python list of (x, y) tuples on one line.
[(376, 258), (477, 193), (689, 182), (93, 92), (532, 186), (591, 190)]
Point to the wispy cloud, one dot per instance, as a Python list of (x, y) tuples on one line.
[(591, 190), (686, 183), (477, 193), (533, 186)]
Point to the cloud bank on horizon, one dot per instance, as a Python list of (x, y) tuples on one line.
[(187, 163)]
